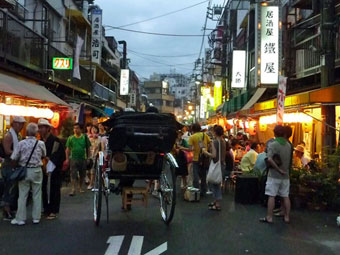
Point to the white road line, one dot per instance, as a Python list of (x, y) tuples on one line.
[(158, 250), (136, 245), (115, 242)]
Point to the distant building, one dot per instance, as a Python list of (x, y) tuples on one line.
[(158, 95)]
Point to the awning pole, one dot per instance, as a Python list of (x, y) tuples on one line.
[(322, 122)]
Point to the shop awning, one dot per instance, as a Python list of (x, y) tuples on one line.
[(78, 16), (253, 100), (14, 86)]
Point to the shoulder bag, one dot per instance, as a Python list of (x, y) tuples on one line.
[(215, 169), (20, 172)]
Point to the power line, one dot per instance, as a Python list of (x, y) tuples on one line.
[(163, 15), (161, 56), (153, 33)]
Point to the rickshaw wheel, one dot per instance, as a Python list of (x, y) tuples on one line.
[(167, 192), (97, 191)]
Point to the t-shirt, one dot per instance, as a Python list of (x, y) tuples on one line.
[(260, 163), (195, 140), (78, 146), (248, 160), (284, 151)]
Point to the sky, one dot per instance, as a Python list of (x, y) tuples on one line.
[(190, 21)]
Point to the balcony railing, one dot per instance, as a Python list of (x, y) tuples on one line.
[(67, 75), (114, 71), (20, 44), (104, 93), (307, 56)]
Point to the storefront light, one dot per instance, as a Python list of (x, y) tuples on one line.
[(231, 122), (298, 117), (25, 111)]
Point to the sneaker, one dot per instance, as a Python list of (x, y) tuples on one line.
[(90, 187), (209, 192), (36, 221), (17, 222)]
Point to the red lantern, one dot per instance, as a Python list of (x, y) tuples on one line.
[(55, 120)]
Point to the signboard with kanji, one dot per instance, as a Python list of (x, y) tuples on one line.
[(281, 96), (269, 44), (96, 40), (124, 82), (62, 63), (239, 67)]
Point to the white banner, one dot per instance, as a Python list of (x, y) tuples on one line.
[(269, 44), (281, 96), (202, 107), (239, 67), (79, 45), (96, 40), (124, 82)]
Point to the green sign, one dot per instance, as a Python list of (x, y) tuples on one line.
[(62, 63)]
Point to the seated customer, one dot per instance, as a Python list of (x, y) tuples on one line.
[(248, 160)]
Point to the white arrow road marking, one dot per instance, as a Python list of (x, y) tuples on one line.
[(158, 250), (136, 245), (115, 242)]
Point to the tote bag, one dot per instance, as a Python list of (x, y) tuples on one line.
[(215, 169)]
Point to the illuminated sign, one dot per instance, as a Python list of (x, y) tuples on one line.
[(124, 82), (269, 44), (217, 94), (239, 67), (25, 111), (62, 63)]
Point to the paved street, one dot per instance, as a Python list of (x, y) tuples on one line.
[(194, 230)]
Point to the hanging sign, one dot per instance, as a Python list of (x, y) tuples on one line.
[(281, 95), (239, 67), (96, 41), (217, 94), (62, 63), (124, 82), (269, 44)]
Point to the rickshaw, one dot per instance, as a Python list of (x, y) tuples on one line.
[(138, 148)]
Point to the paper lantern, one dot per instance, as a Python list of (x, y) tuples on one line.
[(55, 120)]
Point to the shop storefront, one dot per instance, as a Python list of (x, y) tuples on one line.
[(24, 98)]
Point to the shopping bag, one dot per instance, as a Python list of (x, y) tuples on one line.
[(215, 170)]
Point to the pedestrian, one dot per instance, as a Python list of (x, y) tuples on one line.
[(278, 174), (10, 142), (88, 129), (249, 159), (102, 131), (77, 152), (197, 142), (299, 161), (29, 152), (95, 121), (181, 154), (94, 149), (55, 155), (186, 133), (218, 153), (229, 160)]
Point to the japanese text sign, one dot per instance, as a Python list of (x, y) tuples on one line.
[(281, 96), (269, 44), (124, 82), (239, 66), (96, 40), (62, 63)]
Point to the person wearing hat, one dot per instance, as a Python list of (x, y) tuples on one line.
[(10, 142), (55, 153), (299, 161)]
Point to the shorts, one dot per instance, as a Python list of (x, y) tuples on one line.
[(77, 166), (277, 187)]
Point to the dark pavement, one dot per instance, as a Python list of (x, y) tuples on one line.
[(194, 230)]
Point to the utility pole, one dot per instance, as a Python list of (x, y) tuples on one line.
[(327, 61)]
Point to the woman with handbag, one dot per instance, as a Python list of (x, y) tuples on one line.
[(217, 167), (94, 149), (29, 154)]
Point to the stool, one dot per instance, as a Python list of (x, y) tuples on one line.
[(134, 191)]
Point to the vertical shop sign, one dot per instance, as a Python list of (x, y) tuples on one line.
[(202, 107), (239, 66), (124, 82), (269, 44), (281, 95), (96, 41), (217, 94)]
